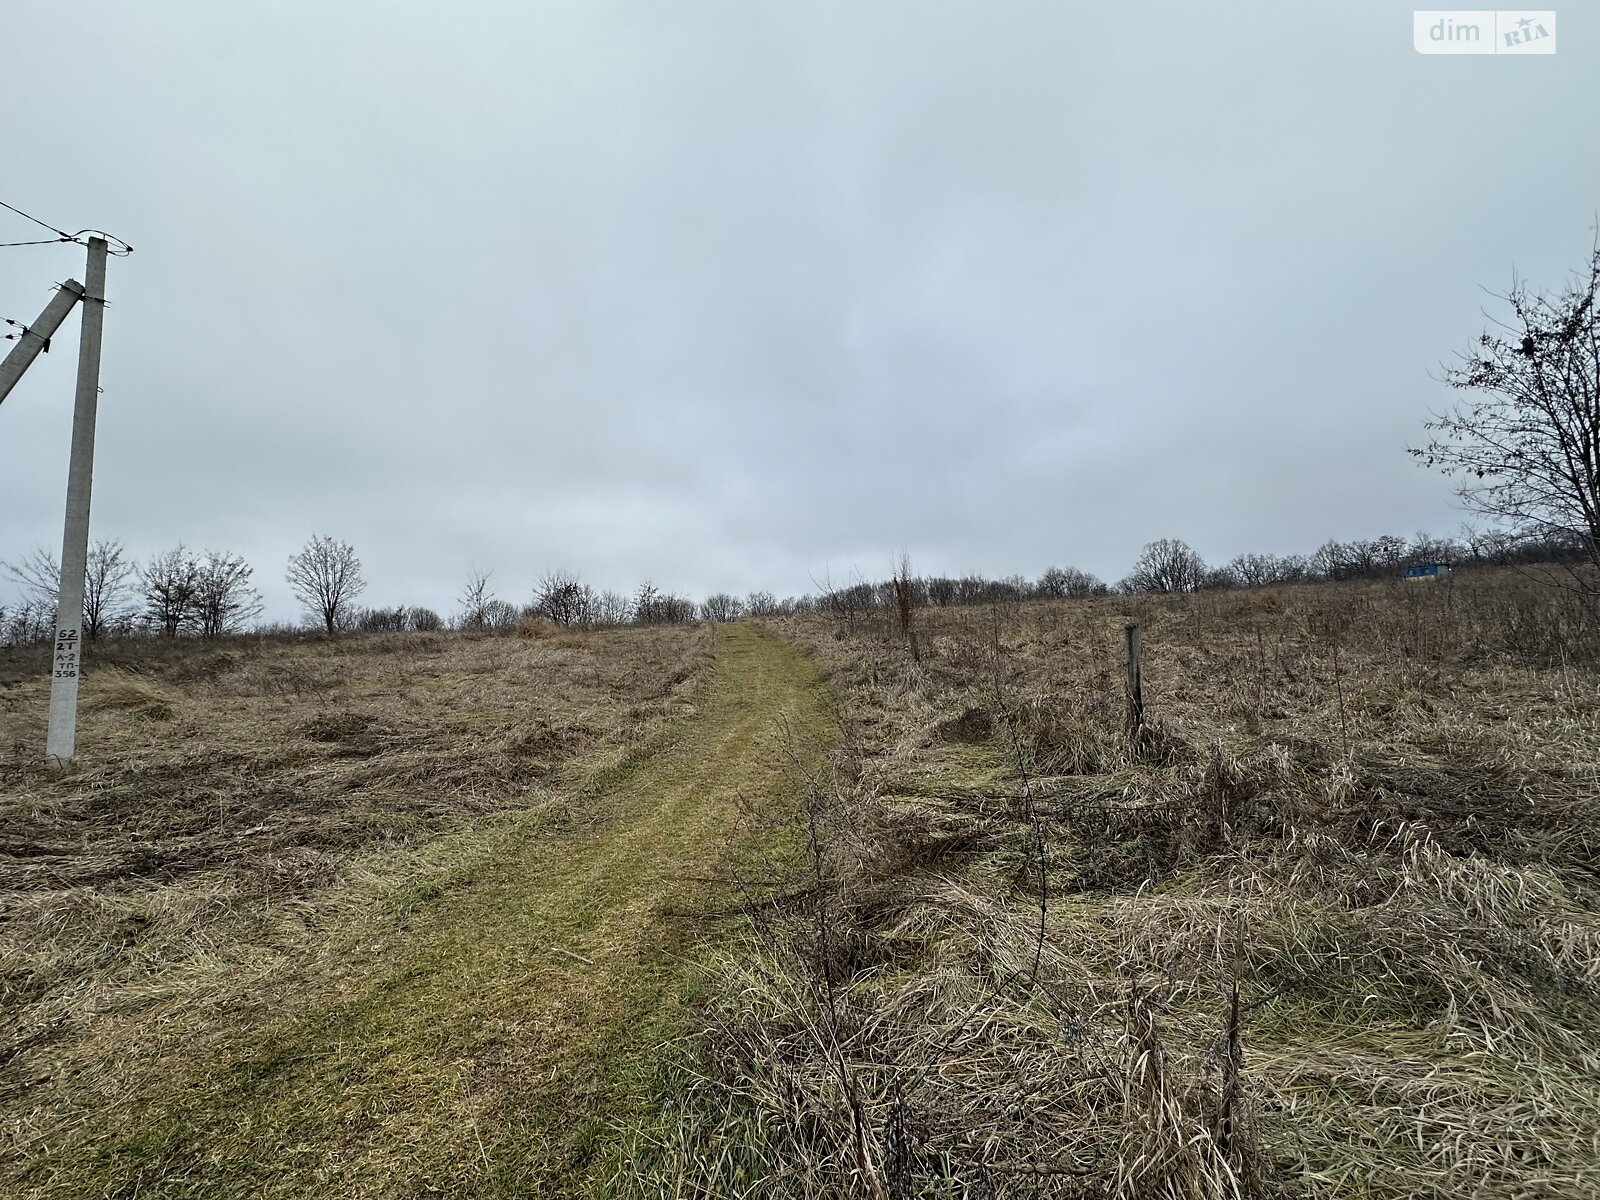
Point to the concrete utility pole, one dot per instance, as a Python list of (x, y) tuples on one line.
[(36, 337), (62, 738)]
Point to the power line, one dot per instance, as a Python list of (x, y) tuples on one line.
[(122, 248), (43, 224)]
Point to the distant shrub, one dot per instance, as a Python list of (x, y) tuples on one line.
[(652, 606), (721, 607), (762, 604), (565, 599), (381, 620), (537, 627), (423, 620), (30, 621), (500, 616), (1068, 581)]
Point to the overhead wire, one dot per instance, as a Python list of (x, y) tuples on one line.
[(122, 248), (35, 220)]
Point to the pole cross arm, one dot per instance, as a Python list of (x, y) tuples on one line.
[(36, 337)]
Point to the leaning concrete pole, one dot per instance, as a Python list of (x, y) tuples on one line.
[(62, 738), (36, 337)]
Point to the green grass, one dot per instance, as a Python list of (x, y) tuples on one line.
[(505, 1038)]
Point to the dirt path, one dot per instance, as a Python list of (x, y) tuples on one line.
[(499, 1043)]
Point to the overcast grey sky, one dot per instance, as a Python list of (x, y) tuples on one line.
[(736, 295)]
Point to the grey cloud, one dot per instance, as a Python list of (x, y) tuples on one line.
[(733, 295)]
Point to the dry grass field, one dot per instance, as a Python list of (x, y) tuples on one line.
[(370, 916), (1329, 928), (604, 914)]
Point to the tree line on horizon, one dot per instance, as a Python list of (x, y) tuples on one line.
[(186, 593)]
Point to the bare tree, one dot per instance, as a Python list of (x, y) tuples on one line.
[(501, 616), (972, 589), (170, 586), (612, 608), (1526, 450), (423, 620), (652, 606), (1068, 581), (721, 607), (1364, 557), (1253, 570), (761, 604), (646, 603), (1391, 551), (29, 621), (1425, 548), (1332, 560), (326, 578), (1168, 565), (850, 602), (38, 575), (561, 598), (1294, 568), (475, 599), (381, 620), (105, 586), (224, 599)]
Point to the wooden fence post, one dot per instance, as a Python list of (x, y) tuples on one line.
[(1135, 684)]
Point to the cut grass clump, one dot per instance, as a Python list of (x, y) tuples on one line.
[(123, 691)]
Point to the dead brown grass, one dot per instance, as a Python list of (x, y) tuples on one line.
[(1329, 930), (120, 689), (244, 808)]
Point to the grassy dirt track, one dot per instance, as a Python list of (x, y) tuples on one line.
[(501, 1038)]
